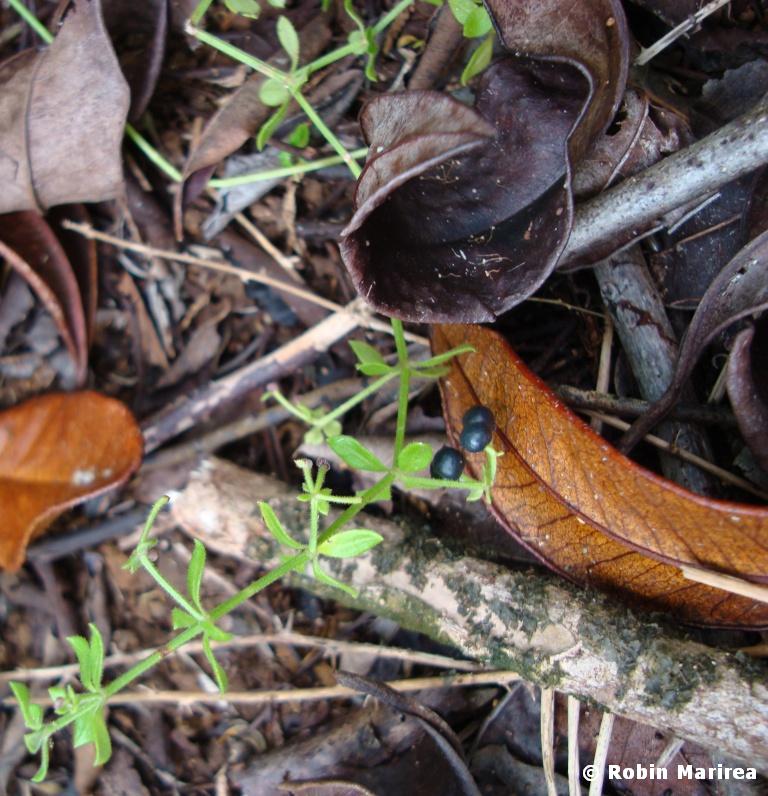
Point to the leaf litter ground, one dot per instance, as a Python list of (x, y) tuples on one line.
[(161, 330)]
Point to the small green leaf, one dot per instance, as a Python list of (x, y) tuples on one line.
[(45, 757), (478, 23), (82, 651), (314, 436), (275, 527), (289, 40), (219, 674), (356, 455), (273, 93), (101, 739), (245, 8), (414, 457), (180, 619), (216, 633), (195, 573), (96, 656), (479, 59), (267, 130), (332, 428), (475, 493), (277, 3), (299, 137), (325, 578), (348, 544), (433, 373), (375, 369), (58, 693), (365, 353), (285, 159), (34, 741), (354, 16), (446, 356), (32, 714), (461, 9), (82, 730)]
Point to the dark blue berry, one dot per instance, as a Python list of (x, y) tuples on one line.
[(448, 464), (479, 414), (475, 437)]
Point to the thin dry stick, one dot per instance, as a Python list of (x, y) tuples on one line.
[(363, 319), (705, 414), (267, 245), (604, 368), (301, 350), (574, 770), (275, 696), (601, 754), (329, 647), (638, 204), (683, 28), (669, 752), (745, 588), (87, 231), (548, 738), (662, 444)]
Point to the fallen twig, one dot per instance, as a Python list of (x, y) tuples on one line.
[(637, 206), (551, 632), (683, 28)]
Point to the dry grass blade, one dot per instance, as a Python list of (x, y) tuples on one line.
[(601, 754)]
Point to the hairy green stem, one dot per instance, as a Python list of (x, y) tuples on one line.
[(166, 586), (31, 20), (200, 11), (391, 16), (370, 495), (405, 381), (240, 55), (326, 132), (297, 562), (152, 154), (357, 398), (285, 171)]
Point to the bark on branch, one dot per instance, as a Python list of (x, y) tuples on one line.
[(625, 213), (553, 633)]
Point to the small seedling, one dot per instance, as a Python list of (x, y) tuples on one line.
[(84, 707)]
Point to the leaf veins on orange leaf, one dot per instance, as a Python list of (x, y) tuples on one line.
[(589, 512), (57, 451)]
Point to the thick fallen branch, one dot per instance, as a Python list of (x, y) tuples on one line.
[(627, 212), (552, 633)]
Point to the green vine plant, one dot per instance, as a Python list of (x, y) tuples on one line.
[(84, 707), (283, 86)]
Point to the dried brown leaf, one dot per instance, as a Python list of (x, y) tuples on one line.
[(62, 113), (55, 452), (459, 215), (138, 32), (29, 246), (589, 512), (739, 290), (747, 385)]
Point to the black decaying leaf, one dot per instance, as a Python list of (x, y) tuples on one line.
[(462, 214), (747, 385), (739, 290)]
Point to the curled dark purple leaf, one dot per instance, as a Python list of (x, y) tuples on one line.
[(461, 213), (747, 385), (739, 290)]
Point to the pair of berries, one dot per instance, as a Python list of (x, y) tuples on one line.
[(478, 425)]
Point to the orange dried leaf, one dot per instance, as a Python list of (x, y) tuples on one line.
[(586, 510), (55, 452)]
